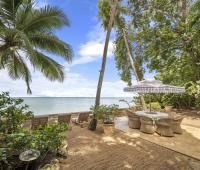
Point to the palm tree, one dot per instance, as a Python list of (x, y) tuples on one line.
[(26, 36), (101, 75), (133, 65)]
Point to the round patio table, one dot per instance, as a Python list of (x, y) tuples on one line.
[(153, 115)]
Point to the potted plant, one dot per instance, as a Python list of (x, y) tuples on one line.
[(105, 116)]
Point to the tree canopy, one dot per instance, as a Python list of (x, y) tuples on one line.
[(164, 38)]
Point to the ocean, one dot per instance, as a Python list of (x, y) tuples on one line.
[(54, 105)]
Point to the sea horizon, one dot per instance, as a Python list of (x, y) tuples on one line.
[(56, 105)]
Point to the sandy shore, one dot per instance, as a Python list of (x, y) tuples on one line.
[(95, 151)]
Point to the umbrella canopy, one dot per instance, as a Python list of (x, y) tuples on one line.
[(153, 86)]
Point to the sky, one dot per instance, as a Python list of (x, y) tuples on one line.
[(86, 37)]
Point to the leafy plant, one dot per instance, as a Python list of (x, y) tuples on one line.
[(49, 138), (105, 112), (154, 106), (12, 113), (14, 139)]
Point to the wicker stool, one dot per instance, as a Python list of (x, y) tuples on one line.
[(147, 125), (164, 127), (176, 124)]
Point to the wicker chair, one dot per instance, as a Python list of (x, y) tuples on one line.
[(176, 124), (147, 125), (64, 118), (53, 119), (82, 117), (39, 121), (164, 127), (133, 121)]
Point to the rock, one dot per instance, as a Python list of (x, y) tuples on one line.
[(64, 150), (54, 165)]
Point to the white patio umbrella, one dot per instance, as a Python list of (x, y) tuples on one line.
[(153, 86)]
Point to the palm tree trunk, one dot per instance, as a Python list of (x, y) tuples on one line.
[(183, 9), (133, 67), (101, 74)]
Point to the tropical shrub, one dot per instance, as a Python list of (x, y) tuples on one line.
[(191, 98), (105, 112), (12, 113), (49, 138), (14, 139)]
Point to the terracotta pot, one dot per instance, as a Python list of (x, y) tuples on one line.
[(108, 128)]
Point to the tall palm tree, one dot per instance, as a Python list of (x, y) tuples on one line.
[(26, 36), (133, 66), (101, 74)]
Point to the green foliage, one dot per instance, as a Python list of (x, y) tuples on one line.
[(187, 100), (105, 112), (12, 113), (49, 138), (14, 139), (164, 37), (28, 34), (154, 106), (121, 58)]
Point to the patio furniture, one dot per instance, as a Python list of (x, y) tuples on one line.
[(82, 117), (53, 119), (164, 127), (176, 124), (153, 115), (39, 121), (147, 125), (64, 118), (133, 121)]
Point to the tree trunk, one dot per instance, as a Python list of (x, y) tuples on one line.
[(184, 10), (134, 68), (101, 74)]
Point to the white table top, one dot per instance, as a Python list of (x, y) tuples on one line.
[(153, 115)]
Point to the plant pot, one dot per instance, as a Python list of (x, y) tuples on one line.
[(134, 121), (168, 108), (93, 124), (100, 128), (108, 128)]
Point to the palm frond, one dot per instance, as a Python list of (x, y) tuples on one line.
[(44, 19), (17, 69), (52, 44), (29, 30), (8, 9), (50, 68)]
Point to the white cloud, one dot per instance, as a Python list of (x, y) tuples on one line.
[(92, 49), (74, 86)]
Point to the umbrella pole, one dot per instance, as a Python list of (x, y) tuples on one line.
[(150, 103)]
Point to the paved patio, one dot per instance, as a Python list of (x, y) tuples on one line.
[(187, 143)]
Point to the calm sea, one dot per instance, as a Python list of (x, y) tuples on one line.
[(52, 105)]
